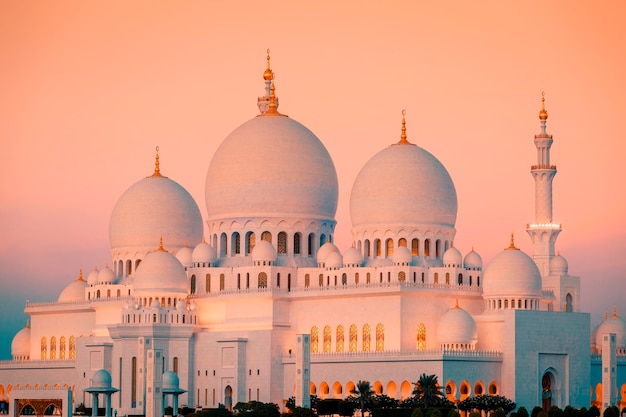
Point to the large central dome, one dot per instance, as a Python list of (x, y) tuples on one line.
[(271, 166)]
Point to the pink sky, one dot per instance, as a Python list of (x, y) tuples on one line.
[(89, 88)]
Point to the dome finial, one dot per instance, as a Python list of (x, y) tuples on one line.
[(606, 315), (403, 140), (157, 171), (80, 276), (543, 114), (160, 245), (512, 246), (614, 312), (457, 303)]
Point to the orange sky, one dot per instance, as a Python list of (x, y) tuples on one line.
[(89, 88)]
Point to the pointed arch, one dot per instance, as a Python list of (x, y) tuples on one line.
[(366, 338), (380, 337), (339, 338), (421, 336), (353, 338), (327, 338), (314, 339)]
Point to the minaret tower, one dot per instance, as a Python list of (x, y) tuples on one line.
[(543, 232)]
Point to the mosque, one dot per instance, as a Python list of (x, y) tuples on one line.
[(265, 306)]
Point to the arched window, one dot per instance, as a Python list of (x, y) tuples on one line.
[(344, 279), (460, 279), (310, 241), (437, 248), (421, 337), (282, 242), (72, 347), (297, 237), (356, 278), (175, 365), (133, 382), (193, 284), (222, 282), (366, 338), (377, 249), (207, 283), (415, 247), (62, 348), (108, 293), (262, 280), (402, 242), (380, 337), (401, 276), (322, 239), (98, 294), (327, 337), (568, 302), (339, 338), (436, 278), (236, 242), (314, 339), (223, 243), (266, 236), (307, 280), (44, 349), (250, 242), (427, 247), (389, 247), (447, 278), (278, 280), (368, 278), (321, 279), (129, 267), (366, 248), (353, 338), (53, 347)]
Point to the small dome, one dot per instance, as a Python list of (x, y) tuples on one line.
[(264, 251), (20, 346), (457, 326), (352, 257), (106, 276), (160, 272), (75, 291), (101, 379), (170, 380), (613, 324), (156, 303), (203, 252), (184, 256), (402, 255), (92, 278), (452, 257), (154, 207), (512, 273), (334, 260), (325, 250), (558, 265), (473, 261)]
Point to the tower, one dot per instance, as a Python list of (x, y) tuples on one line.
[(543, 232)]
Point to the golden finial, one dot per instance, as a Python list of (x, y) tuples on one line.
[(543, 114), (160, 245), (268, 75), (403, 140), (157, 172), (80, 276), (614, 312), (512, 246), (606, 315), (457, 303)]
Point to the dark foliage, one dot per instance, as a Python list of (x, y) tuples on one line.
[(214, 412), (487, 403)]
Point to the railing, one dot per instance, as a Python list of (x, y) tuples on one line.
[(38, 364), (542, 166), (399, 355)]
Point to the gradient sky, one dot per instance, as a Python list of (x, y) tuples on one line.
[(89, 88)]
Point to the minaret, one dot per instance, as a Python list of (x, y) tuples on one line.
[(543, 232)]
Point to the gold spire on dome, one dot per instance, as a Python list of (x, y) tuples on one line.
[(268, 75), (403, 140), (80, 276), (543, 114), (606, 315), (157, 171), (512, 245), (457, 304), (614, 312), (161, 245)]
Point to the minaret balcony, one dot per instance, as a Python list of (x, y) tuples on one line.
[(543, 167)]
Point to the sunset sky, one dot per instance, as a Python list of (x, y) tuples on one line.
[(88, 89)]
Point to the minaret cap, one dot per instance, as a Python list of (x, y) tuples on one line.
[(543, 114), (268, 75), (614, 312)]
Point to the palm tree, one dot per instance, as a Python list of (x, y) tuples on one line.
[(427, 390), (363, 392)]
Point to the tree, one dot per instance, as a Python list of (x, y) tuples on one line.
[(363, 392), (522, 412), (428, 391)]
